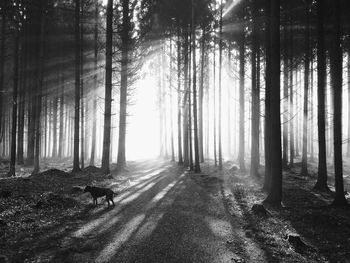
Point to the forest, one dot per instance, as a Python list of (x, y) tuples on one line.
[(219, 129)]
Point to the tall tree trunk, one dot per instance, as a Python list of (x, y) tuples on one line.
[(190, 103), (220, 86), (201, 97), (171, 100), (82, 110), (40, 69), (197, 168), (348, 141), (304, 171), (108, 90), (207, 68), (76, 167), (54, 127), (12, 171), (121, 161), (229, 103), (61, 137), (214, 98), (31, 128), (254, 166), (297, 121), (336, 63), (45, 125), (22, 95), (241, 100), (94, 101), (275, 194), (2, 71), (285, 97), (312, 154), (179, 132), (291, 97), (185, 103), (267, 128)]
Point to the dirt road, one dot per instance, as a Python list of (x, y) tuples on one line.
[(165, 215)]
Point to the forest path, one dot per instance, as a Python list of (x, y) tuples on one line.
[(165, 215)]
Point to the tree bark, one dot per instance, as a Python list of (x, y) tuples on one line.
[(76, 167), (241, 101), (201, 97), (275, 194), (267, 137), (304, 170), (82, 108), (285, 98), (2, 71), (336, 63), (171, 100), (94, 101), (197, 168), (12, 171), (61, 137), (54, 127), (108, 90), (291, 98), (220, 86), (41, 62), (179, 132), (254, 166), (22, 95), (121, 161)]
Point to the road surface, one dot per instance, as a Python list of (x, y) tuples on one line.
[(165, 215)]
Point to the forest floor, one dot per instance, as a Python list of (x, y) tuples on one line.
[(164, 213)]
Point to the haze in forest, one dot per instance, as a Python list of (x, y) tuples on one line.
[(251, 93)]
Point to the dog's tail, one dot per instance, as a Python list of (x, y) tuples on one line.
[(115, 194)]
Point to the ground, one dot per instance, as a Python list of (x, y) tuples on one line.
[(164, 213)]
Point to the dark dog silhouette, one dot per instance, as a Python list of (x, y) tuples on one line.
[(100, 192)]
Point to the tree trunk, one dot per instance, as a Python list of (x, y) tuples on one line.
[(312, 154), (254, 166), (304, 171), (82, 109), (31, 127), (22, 95), (2, 72), (61, 137), (185, 103), (285, 98), (190, 103), (12, 171), (348, 141), (171, 100), (108, 90), (121, 161), (336, 63), (201, 97), (41, 62), (220, 86), (241, 100), (76, 167), (275, 194), (291, 97), (179, 132), (94, 101), (54, 127), (267, 137), (214, 98), (197, 168)]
